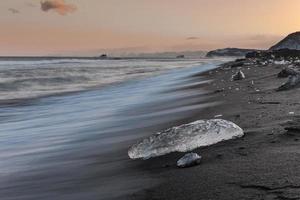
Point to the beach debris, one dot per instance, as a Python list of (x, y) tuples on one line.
[(238, 76), (292, 82), (286, 72), (189, 160), (185, 138)]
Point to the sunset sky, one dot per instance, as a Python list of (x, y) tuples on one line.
[(89, 27)]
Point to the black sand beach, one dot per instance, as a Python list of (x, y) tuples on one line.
[(261, 165)]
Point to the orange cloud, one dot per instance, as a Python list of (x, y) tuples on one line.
[(60, 6)]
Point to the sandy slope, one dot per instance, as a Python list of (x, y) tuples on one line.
[(262, 165)]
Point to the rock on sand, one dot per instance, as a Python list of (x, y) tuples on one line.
[(189, 160)]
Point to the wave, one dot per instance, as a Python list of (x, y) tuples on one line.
[(35, 78)]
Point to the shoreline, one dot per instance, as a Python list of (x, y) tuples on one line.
[(261, 165), (78, 143)]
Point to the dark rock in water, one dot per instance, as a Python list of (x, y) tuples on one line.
[(189, 160), (286, 72), (238, 76), (180, 56), (293, 81), (292, 41), (103, 56)]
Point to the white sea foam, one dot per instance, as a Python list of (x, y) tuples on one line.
[(185, 138)]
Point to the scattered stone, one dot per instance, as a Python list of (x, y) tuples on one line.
[(292, 82), (286, 72), (238, 76), (189, 160)]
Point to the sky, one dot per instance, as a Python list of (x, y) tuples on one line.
[(90, 27)]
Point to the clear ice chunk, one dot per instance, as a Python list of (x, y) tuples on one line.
[(185, 138)]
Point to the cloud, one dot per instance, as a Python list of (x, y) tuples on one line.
[(60, 6), (13, 11), (192, 38)]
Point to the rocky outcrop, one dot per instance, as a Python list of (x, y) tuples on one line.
[(281, 54), (185, 138), (229, 52), (189, 160), (292, 82), (292, 41), (288, 71)]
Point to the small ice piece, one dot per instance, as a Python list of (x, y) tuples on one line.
[(185, 138), (238, 76), (281, 62), (189, 160), (291, 113), (218, 116)]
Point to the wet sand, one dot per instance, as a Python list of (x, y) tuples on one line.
[(264, 164)]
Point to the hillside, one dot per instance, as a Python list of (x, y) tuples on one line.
[(292, 41)]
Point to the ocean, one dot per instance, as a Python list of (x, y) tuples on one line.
[(66, 124)]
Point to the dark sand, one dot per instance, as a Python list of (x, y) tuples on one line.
[(264, 164)]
